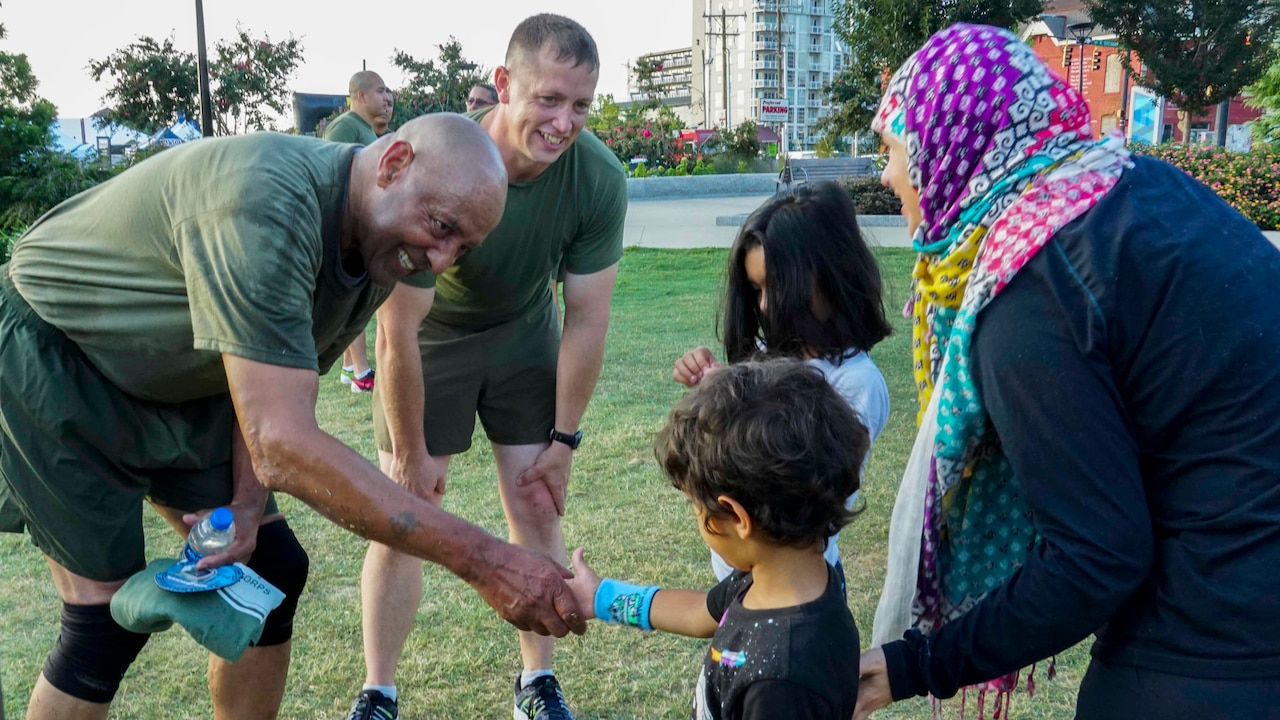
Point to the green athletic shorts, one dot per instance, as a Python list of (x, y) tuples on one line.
[(78, 456), (506, 374)]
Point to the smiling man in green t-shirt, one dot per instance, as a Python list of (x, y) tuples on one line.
[(161, 338), (483, 338)]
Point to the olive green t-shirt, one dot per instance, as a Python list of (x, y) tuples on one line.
[(572, 213), (350, 128), (228, 245)]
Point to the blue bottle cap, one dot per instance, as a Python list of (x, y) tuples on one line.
[(221, 518)]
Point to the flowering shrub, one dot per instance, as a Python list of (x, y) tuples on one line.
[(647, 141), (1249, 181)]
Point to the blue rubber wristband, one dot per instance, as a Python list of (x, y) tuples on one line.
[(620, 603)]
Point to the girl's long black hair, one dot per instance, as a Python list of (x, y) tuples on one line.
[(814, 255)]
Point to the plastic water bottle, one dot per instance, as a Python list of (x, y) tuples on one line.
[(213, 534)]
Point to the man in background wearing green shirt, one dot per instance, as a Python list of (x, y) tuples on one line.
[(483, 338), (162, 336), (366, 121)]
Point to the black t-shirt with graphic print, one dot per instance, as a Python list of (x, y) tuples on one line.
[(795, 662)]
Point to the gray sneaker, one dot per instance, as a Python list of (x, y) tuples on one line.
[(541, 700), (373, 705)]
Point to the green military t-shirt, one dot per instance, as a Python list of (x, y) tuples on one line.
[(228, 245), (350, 128), (574, 211)]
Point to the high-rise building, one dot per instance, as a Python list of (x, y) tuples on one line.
[(667, 77), (775, 52)]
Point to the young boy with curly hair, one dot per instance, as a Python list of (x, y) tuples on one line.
[(766, 452)]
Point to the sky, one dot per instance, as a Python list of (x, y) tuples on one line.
[(59, 37)]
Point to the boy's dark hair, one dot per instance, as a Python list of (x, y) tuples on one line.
[(776, 437), (565, 37), (811, 246)]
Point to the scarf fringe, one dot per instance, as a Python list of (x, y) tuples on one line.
[(1001, 689)]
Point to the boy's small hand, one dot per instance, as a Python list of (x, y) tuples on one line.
[(693, 366), (584, 584)]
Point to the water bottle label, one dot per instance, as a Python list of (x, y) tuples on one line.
[(183, 577)]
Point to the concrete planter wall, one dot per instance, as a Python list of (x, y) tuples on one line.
[(691, 186)]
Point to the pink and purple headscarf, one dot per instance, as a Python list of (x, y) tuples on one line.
[(972, 106)]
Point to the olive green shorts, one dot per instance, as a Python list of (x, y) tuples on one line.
[(505, 374), (78, 455)]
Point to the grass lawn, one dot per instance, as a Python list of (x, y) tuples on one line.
[(460, 660)]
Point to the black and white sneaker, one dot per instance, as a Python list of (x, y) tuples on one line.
[(541, 700), (373, 705)]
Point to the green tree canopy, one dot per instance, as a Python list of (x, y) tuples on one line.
[(439, 85), (151, 82), (882, 34), (34, 175), (1264, 94), (1197, 54)]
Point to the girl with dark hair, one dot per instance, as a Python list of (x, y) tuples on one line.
[(802, 283)]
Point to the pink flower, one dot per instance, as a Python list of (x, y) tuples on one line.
[(646, 133)]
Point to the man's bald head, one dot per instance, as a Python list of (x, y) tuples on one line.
[(371, 99), (453, 143), (364, 81), (426, 194)]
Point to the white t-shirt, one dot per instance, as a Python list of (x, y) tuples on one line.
[(860, 383)]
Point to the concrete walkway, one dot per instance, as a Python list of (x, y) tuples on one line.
[(687, 223), (691, 223)]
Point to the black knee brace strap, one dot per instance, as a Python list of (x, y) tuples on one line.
[(92, 653), (281, 561)]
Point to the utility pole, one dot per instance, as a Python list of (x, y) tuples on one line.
[(724, 47), (206, 101), (781, 53)]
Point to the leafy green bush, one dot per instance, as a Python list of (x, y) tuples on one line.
[(871, 197), (1249, 181), (731, 162), (41, 179), (6, 243)]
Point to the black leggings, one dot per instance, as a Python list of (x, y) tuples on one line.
[(1123, 692)]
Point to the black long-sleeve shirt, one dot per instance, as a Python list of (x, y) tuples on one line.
[(1132, 372)]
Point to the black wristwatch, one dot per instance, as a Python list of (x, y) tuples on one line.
[(571, 440)]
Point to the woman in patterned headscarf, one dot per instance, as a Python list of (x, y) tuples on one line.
[(1098, 373)]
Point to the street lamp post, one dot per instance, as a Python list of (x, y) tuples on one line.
[(1082, 33), (206, 101)]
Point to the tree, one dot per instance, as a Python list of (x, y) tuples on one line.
[(248, 76), (152, 83), (34, 176), (439, 85), (1264, 95), (882, 34), (604, 115), (1198, 54), (744, 140)]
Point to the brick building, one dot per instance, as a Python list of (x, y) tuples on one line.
[(1088, 58)]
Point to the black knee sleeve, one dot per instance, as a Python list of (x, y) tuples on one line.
[(281, 561), (92, 653)]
